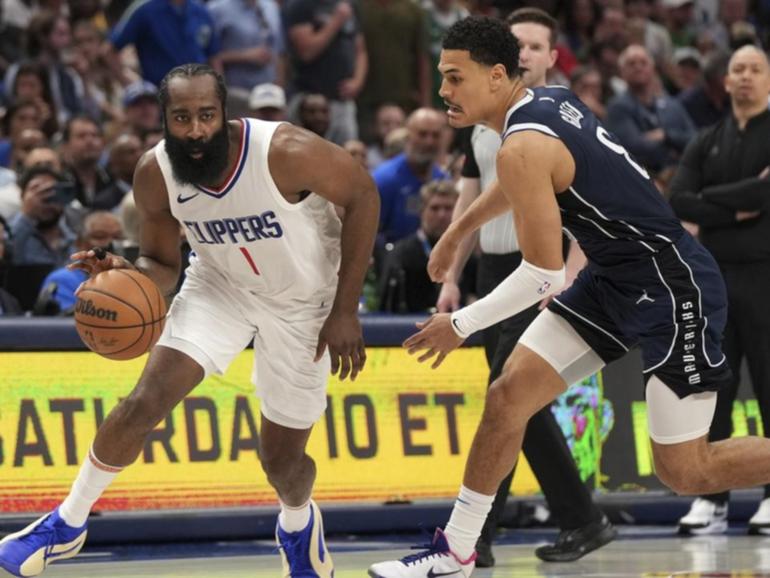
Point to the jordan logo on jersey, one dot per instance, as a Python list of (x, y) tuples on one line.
[(238, 230), (570, 114)]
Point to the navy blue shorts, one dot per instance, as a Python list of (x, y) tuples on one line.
[(673, 305)]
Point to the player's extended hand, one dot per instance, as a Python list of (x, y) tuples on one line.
[(441, 258), (95, 261), (436, 336), (342, 333)]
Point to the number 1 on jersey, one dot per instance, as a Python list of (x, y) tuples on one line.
[(246, 254)]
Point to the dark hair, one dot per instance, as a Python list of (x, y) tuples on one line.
[(38, 69), (11, 111), (39, 29), (189, 71), (67, 132), (535, 16), (34, 172), (488, 40)]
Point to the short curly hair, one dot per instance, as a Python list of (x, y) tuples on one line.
[(488, 40)]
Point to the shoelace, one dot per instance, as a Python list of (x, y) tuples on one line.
[(428, 551)]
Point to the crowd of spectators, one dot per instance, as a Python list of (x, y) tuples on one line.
[(78, 106)]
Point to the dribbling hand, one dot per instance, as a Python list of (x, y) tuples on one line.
[(96, 260)]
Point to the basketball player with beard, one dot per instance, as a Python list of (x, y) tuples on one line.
[(273, 265)]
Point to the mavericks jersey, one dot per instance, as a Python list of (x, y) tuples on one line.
[(612, 208), (248, 233)]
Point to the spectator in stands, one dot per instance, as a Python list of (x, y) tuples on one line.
[(586, 83), (680, 21), (395, 143), (28, 139), (252, 41), (40, 235), (389, 117), (655, 38), (399, 70), (654, 127), (708, 102), (9, 305), (329, 57), (18, 117), (357, 150), (314, 114), (99, 229), (687, 70), (83, 147), (48, 39), (732, 13), (604, 57), (125, 152), (404, 284), (165, 34), (31, 83), (580, 20), (723, 185), (42, 156), (268, 102), (102, 89), (439, 16), (399, 179), (140, 107)]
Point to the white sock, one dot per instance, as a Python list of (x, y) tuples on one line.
[(467, 520), (93, 479), (294, 518)]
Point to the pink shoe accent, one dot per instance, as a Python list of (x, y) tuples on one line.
[(471, 558)]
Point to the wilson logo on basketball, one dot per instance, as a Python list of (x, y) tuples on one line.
[(88, 308)]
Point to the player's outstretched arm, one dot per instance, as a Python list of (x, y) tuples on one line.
[(299, 161), (159, 242)]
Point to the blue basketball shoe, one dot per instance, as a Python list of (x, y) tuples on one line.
[(47, 540), (304, 553), (437, 559)]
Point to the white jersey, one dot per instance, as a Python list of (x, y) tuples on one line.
[(247, 232), (498, 235)]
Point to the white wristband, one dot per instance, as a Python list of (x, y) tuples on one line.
[(526, 286)]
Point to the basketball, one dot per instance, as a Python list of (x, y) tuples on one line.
[(120, 313)]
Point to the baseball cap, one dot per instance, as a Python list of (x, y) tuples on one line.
[(267, 95), (688, 54), (137, 90)]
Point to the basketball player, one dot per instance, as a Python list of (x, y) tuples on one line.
[(647, 282), (273, 264)]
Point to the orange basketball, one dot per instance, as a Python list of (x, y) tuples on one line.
[(120, 313)]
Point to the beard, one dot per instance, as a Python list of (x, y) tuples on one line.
[(206, 170)]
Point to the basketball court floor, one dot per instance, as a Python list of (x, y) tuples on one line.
[(640, 552)]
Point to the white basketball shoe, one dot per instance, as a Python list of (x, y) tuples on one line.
[(434, 562), (760, 521), (705, 517)]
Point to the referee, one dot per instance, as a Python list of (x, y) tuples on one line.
[(583, 526), (723, 186)]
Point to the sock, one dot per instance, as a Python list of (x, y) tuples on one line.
[(468, 517), (93, 479), (294, 518)]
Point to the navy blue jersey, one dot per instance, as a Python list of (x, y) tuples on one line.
[(612, 208)]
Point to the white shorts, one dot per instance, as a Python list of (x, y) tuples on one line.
[(670, 420), (212, 322)]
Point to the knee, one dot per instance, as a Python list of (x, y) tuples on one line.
[(683, 477), (140, 412), (507, 401)]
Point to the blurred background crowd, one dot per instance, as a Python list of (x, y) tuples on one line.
[(78, 108)]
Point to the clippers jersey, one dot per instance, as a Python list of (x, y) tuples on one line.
[(247, 232), (612, 208)]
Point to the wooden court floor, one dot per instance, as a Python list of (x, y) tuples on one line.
[(639, 553)]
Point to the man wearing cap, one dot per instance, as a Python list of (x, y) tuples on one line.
[(165, 34), (268, 102), (253, 48), (140, 102)]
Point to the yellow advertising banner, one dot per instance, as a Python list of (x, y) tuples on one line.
[(400, 432)]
